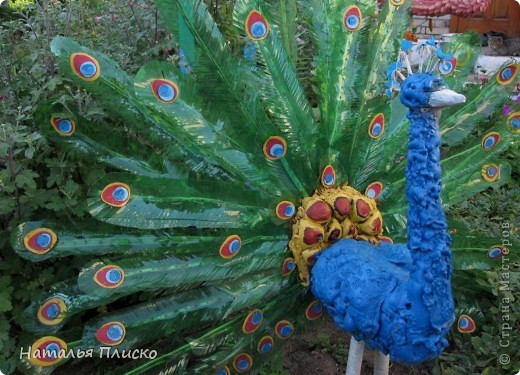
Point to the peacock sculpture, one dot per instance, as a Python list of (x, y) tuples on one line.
[(226, 184)]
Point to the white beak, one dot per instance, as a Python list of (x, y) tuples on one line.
[(445, 98)]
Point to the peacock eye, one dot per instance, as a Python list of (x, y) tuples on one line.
[(265, 345), (230, 247), (112, 333), (466, 324), (252, 321), (377, 126), (314, 310), (275, 148), (447, 67), (507, 74), (165, 91), (284, 329), (288, 266), (496, 251), (513, 122), (63, 126), (116, 194), (223, 371), (52, 311), (397, 2), (285, 210), (243, 362), (109, 276), (47, 351), (328, 176), (490, 140), (490, 173), (374, 190), (352, 18), (85, 66), (256, 26), (40, 241)]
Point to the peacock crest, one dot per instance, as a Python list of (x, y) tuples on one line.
[(224, 180)]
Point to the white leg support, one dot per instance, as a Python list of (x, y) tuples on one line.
[(381, 363), (355, 356)]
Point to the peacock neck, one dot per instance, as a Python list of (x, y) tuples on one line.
[(427, 237)]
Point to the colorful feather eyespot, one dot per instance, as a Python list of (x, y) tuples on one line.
[(466, 324), (256, 26), (252, 321), (265, 345), (513, 122), (52, 311), (464, 56), (507, 74), (85, 66), (243, 362), (328, 176), (490, 173), (397, 2), (385, 239), (284, 329), (275, 148), (288, 266), (490, 140), (496, 251), (109, 277), (447, 67), (352, 18), (223, 371), (116, 194), (230, 247), (40, 241), (63, 126), (374, 190), (164, 90), (285, 210), (47, 351), (314, 310), (112, 333), (377, 126)]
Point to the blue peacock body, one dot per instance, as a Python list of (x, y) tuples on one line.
[(225, 186)]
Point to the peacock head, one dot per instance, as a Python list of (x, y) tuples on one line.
[(423, 90)]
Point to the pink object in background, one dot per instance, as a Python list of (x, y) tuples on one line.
[(462, 8)]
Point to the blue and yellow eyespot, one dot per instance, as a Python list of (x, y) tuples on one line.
[(513, 122), (52, 312), (109, 276), (284, 329), (243, 362), (314, 310), (490, 172), (40, 241), (252, 321), (257, 27), (397, 2), (223, 371), (63, 126), (285, 210), (353, 18), (164, 90), (328, 176), (447, 67), (490, 140), (374, 190), (112, 333), (466, 324), (497, 251), (377, 126), (116, 194), (47, 351), (265, 345), (230, 247), (507, 74), (288, 266), (85, 66), (275, 148)]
